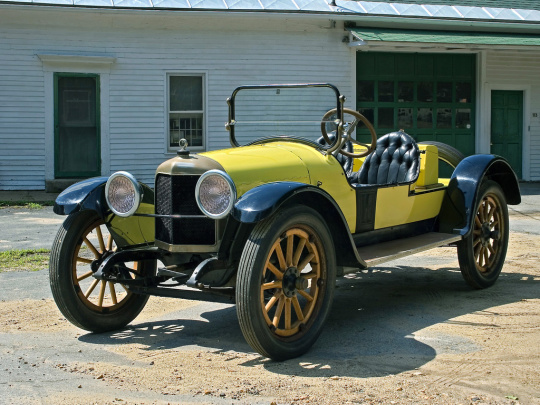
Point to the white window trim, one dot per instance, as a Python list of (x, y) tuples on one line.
[(201, 73), (55, 60)]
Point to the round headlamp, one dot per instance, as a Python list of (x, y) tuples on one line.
[(123, 194), (215, 194)]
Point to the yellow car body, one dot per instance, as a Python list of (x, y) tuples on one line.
[(272, 224)]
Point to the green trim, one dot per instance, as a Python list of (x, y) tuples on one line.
[(444, 37), (58, 173)]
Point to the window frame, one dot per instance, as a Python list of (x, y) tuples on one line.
[(203, 74)]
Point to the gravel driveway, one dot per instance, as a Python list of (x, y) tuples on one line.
[(410, 331)]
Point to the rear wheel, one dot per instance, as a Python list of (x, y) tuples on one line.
[(481, 255), (91, 304), (285, 283)]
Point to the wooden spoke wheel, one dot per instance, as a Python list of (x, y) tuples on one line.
[(487, 232), (91, 304), (285, 283), (481, 254), (289, 289), (98, 295)]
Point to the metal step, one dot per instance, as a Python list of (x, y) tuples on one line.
[(384, 252)]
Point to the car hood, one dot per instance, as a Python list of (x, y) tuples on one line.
[(251, 166)]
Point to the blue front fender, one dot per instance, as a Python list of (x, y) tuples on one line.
[(260, 202), (86, 194), (90, 195)]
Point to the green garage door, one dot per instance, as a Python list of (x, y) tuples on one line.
[(429, 96)]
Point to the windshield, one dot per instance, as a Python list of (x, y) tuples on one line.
[(258, 112)]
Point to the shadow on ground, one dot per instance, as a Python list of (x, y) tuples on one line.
[(373, 328)]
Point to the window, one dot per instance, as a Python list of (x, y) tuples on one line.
[(186, 110)]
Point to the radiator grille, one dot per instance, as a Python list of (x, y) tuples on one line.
[(175, 195)]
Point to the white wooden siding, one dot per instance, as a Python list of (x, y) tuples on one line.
[(22, 127), (508, 70), (230, 51), (279, 52)]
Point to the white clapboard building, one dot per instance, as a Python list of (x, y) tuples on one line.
[(90, 87)]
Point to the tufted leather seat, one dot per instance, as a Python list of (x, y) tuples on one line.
[(396, 159)]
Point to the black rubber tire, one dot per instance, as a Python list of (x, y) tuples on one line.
[(447, 153), (253, 273), (67, 292), (475, 274)]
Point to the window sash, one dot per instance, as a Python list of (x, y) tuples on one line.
[(187, 124)]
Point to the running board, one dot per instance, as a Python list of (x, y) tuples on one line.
[(384, 252)]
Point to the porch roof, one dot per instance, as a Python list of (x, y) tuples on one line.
[(373, 36)]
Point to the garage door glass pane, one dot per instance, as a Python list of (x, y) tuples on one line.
[(424, 118), (405, 118), (365, 90), (386, 118), (386, 91), (463, 118), (463, 92), (444, 92), (405, 92), (444, 118), (369, 113), (425, 92)]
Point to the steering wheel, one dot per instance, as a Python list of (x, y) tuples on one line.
[(348, 134)]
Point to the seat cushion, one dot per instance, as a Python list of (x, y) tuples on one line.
[(396, 159)]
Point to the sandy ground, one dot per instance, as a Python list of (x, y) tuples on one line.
[(408, 332)]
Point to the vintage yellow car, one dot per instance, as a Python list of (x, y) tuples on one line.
[(271, 224)]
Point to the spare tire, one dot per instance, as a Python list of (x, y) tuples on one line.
[(447, 153)]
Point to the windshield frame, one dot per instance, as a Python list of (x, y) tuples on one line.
[(230, 124)]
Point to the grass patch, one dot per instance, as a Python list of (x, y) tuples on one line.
[(33, 205), (24, 259)]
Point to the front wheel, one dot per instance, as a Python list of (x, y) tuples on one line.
[(285, 283), (91, 304), (481, 254)]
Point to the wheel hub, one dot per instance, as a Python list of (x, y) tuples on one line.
[(486, 233), (94, 266), (292, 281)]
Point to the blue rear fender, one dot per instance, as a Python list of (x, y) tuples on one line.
[(461, 198)]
